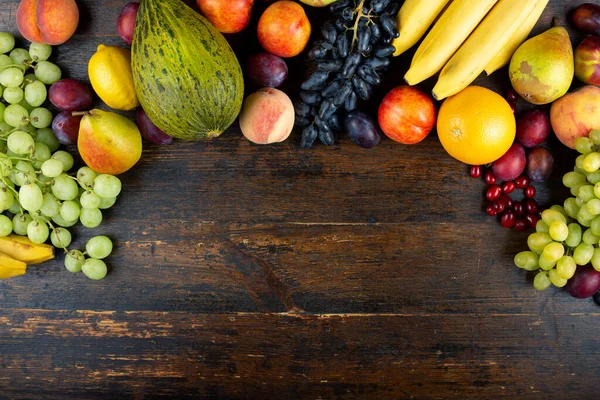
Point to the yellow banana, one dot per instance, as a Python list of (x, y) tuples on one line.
[(482, 46), (414, 18), (318, 3), (517, 39), (452, 29), (9, 267), (23, 249)]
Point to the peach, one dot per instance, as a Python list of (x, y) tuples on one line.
[(284, 29), (47, 21), (267, 116), (230, 16), (576, 114)]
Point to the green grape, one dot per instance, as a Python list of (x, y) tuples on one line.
[(74, 261), (16, 116), (30, 78), (28, 128), (586, 193), (11, 77), (20, 222), (549, 216), (6, 226), (578, 161), (20, 57), (593, 177), (107, 202), (585, 214), (593, 206), (595, 226), (23, 103), (40, 52), (20, 142), (7, 42), (542, 227), (584, 145), (597, 190), (90, 217), (38, 232), (574, 190), (40, 117), (527, 260), (589, 237), (7, 199), (69, 210), (60, 221), (86, 176), (556, 279), (107, 185), (4, 127), (595, 259), (594, 136), (61, 238), (41, 153), (538, 241), (99, 247), (90, 199), (553, 252), (26, 172), (65, 188), (5, 61), (46, 136), (558, 231), (36, 93), (13, 95), (94, 269), (565, 267), (541, 281), (31, 197), (571, 207), (584, 222), (16, 207), (560, 209), (52, 168), (65, 158), (591, 162), (583, 253), (50, 206), (47, 72)]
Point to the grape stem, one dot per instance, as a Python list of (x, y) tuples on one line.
[(58, 237), (359, 15)]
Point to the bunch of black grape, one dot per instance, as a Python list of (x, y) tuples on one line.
[(354, 50)]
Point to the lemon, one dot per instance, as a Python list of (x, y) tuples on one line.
[(109, 70)]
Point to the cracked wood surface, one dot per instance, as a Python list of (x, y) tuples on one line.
[(250, 272)]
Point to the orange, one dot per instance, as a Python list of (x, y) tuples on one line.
[(476, 126)]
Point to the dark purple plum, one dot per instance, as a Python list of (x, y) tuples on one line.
[(70, 95), (66, 127), (511, 164), (126, 22), (533, 128), (267, 70), (362, 129), (539, 164), (585, 283), (149, 131)]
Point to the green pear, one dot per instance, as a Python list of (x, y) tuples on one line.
[(542, 68)]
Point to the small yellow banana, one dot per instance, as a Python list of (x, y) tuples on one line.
[(23, 249), (9, 267), (452, 29), (517, 39), (482, 46), (318, 3), (414, 18)]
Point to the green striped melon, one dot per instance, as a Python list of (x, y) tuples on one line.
[(186, 76)]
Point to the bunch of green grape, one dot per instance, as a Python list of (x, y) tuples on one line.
[(36, 184), (569, 235)]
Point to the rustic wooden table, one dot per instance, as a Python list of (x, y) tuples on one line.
[(243, 271)]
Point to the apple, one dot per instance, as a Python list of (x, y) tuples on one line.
[(229, 16), (407, 115), (587, 61)]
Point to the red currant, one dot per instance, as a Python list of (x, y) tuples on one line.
[(490, 179), (490, 210), (508, 201), (532, 220), (508, 219), (475, 171), (520, 225), (519, 209), (499, 205), (493, 192), (511, 95), (531, 206), (530, 192), (522, 182), (508, 187)]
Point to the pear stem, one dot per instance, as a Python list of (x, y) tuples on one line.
[(78, 113), (554, 22)]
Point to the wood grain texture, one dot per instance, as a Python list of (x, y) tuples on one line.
[(253, 272)]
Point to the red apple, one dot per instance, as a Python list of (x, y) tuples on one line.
[(587, 61), (407, 115), (229, 16)]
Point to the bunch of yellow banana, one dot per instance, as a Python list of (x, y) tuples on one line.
[(18, 251), (470, 36)]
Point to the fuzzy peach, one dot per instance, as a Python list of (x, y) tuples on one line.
[(267, 116), (47, 21), (284, 29), (576, 114)]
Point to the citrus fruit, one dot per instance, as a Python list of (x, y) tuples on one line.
[(476, 126), (110, 74)]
